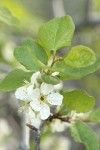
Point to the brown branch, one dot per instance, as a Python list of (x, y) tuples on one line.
[(58, 116), (31, 127), (37, 139)]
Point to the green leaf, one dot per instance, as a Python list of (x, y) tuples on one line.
[(66, 72), (38, 51), (50, 79), (95, 116), (31, 55), (80, 56), (57, 33), (78, 100), (7, 17), (85, 135), (14, 80)]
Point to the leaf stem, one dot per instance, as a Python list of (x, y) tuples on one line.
[(54, 55)]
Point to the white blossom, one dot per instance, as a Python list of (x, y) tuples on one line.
[(40, 98)]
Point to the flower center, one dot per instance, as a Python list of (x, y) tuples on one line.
[(42, 98)]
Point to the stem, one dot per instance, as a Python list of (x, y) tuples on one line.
[(54, 55), (38, 136), (37, 140)]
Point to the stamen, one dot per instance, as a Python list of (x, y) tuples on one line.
[(26, 82), (23, 108), (42, 98)]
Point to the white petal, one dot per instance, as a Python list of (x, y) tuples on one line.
[(55, 99), (35, 76), (31, 113), (21, 93), (36, 121), (58, 87), (33, 93), (36, 105), (45, 111), (46, 88)]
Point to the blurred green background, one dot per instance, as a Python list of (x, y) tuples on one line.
[(31, 15)]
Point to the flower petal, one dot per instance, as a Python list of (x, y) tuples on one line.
[(46, 88), (31, 113), (34, 94), (36, 121), (21, 93), (36, 105), (35, 76), (58, 87), (55, 99), (45, 111)]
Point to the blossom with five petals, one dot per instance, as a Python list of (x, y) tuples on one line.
[(41, 97)]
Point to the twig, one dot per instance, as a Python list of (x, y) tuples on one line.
[(31, 127), (37, 140), (38, 136), (58, 116)]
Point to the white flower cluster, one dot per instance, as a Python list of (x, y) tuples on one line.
[(38, 97)]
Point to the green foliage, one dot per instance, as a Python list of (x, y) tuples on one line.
[(83, 134), (78, 100), (7, 17), (80, 56), (31, 55), (79, 62), (37, 50), (57, 33), (14, 80), (50, 79), (66, 72), (95, 116)]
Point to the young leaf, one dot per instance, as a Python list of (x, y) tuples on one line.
[(57, 33), (14, 80), (26, 57), (7, 17), (66, 72), (31, 55), (50, 79), (80, 56), (38, 51), (78, 100), (95, 116), (85, 135)]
